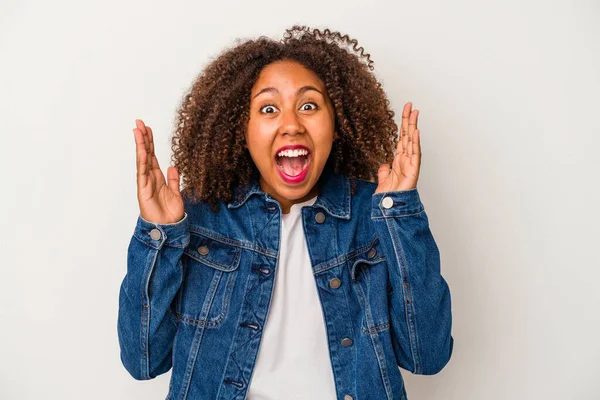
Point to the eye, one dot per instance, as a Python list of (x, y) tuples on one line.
[(312, 107), (268, 109)]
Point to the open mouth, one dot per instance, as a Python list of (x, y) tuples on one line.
[(293, 163)]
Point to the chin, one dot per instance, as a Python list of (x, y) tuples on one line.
[(294, 193)]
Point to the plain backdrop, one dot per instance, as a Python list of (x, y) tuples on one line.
[(508, 94)]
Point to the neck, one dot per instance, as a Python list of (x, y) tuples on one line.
[(286, 204)]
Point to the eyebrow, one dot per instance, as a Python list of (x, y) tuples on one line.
[(298, 92)]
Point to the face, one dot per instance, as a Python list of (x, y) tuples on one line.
[(289, 108)]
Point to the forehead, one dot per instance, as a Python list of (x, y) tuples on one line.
[(286, 74)]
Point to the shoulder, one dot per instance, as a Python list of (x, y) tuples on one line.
[(200, 210), (362, 187), (362, 194)]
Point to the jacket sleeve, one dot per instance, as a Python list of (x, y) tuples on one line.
[(419, 304), (146, 324)]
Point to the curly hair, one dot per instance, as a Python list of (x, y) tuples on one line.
[(208, 143)]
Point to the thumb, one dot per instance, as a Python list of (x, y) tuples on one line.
[(173, 179), (383, 172)]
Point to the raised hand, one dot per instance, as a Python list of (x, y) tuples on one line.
[(159, 203), (404, 172)]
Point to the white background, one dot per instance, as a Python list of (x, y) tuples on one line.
[(508, 94)]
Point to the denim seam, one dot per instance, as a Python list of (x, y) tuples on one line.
[(375, 341), (229, 284), (146, 312), (251, 224), (397, 215), (361, 296), (215, 265), (377, 328), (173, 317), (171, 386), (389, 192), (327, 265), (198, 322), (209, 300), (234, 242), (180, 222), (408, 301), (161, 243), (198, 335), (232, 350), (205, 322), (349, 326), (369, 262), (191, 362)]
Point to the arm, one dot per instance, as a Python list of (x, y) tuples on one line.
[(146, 324), (420, 310)]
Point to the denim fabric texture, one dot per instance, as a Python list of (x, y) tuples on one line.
[(197, 292)]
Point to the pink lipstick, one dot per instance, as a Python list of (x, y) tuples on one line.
[(294, 179)]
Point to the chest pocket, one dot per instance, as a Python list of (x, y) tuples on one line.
[(369, 274), (367, 257), (211, 269)]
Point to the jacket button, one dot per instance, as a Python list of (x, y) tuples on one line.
[(371, 253), (155, 234), (335, 283), (347, 342), (203, 250), (348, 397), (320, 217), (387, 202)]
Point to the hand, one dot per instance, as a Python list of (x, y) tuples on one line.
[(159, 203), (406, 164)]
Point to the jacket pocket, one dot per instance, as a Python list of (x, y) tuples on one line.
[(369, 276), (211, 268), (364, 258)]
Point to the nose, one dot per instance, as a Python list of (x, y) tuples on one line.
[(290, 124)]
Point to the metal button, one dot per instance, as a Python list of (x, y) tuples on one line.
[(320, 217), (203, 250), (371, 253), (387, 202), (335, 283), (347, 342), (348, 397), (155, 234)]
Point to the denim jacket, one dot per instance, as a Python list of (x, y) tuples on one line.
[(197, 292)]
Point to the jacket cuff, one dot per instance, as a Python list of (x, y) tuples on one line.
[(396, 203), (176, 234)]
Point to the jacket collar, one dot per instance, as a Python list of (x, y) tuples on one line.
[(334, 194)]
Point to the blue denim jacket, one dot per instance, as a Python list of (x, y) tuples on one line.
[(197, 292)]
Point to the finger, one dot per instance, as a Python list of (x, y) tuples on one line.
[(142, 127), (412, 124), (153, 157), (141, 157), (404, 128), (173, 179), (399, 148), (417, 143)]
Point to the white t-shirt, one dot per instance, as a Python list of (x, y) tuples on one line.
[(293, 360)]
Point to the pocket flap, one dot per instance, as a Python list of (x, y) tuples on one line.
[(361, 260), (370, 255), (213, 253)]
